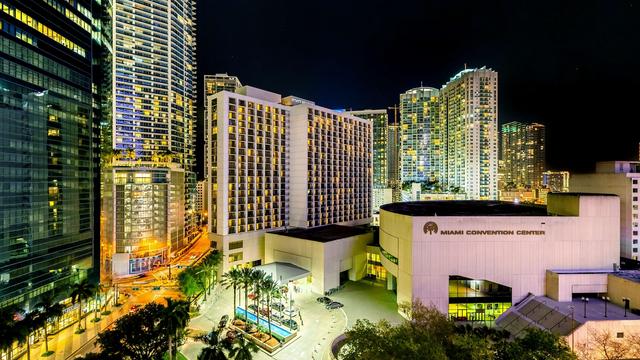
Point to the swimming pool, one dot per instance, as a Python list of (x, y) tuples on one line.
[(263, 322)]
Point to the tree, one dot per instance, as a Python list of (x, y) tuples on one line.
[(174, 319), (80, 292), (215, 346), (49, 309), (25, 327), (535, 344), (188, 283), (246, 278), (257, 277), (602, 344), (270, 289), (9, 333), (232, 279), (242, 349), (137, 336)]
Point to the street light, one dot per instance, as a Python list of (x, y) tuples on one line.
[(572, 308), (606, 299), (585, 300), (626, 305)]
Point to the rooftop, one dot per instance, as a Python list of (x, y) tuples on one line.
[(283, 272), (464, 208), (322, 234), (633, 275)]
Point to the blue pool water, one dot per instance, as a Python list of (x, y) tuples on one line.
[(263, 322)]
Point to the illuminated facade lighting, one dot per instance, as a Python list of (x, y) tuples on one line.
[(151, 132), (523, 154)]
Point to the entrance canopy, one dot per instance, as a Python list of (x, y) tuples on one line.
[(283, 272)]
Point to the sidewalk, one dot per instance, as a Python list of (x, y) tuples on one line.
[(66, 344)]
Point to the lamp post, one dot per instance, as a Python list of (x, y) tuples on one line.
[(585, 300), (606, 299), (572, 308), (626, 305)]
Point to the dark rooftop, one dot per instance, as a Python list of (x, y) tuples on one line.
[(464, 208), (633, 275), (323, 234)]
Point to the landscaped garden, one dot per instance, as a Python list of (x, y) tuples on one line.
[(262, 317)]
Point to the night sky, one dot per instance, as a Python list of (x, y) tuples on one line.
[(571, 65)]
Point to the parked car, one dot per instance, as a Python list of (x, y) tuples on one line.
[(291, 324), (334, 305), (277, 306), (223, 321), (290, 312), (324, 300), (253, 307)]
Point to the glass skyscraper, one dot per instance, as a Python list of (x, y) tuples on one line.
[(148, 177), (47, 148), (523, 154)]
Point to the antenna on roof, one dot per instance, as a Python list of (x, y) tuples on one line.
[(465, 66)]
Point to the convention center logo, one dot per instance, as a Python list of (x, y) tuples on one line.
[(430, 227)]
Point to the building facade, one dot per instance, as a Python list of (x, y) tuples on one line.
[(248, 176), (393, 162), (47, 190), (623, 179), (152, 132), (523, 155), (380, 121), (419, 127), (556, 181), (469, 118), (507, 249), (331, 166)]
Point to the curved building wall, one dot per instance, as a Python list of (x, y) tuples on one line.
[(514, 251)]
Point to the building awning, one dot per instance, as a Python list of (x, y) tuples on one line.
[(283, 272)]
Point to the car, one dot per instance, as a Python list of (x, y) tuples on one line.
[(290, 312), (223, 321), (253, 307), (134, 308), (277, 306), (291, 324), (334, 305), (324, 300)]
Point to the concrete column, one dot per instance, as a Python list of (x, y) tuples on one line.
[(391, 281)]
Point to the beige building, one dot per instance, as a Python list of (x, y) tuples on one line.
[(332, 254), (620, 178), (472, 248)]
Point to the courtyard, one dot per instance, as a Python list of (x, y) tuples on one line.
[(318, 326)]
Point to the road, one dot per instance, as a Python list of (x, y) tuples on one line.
[(133, 291)]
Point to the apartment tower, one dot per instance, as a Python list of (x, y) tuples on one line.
[(523, 154)]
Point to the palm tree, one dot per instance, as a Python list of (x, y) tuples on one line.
[(215, 346), (48, 309), (243, 349), (270, 289), (257, 277), (24, 328), (130, 153), (174, 318), (9, 331), (232, 278), (79, 292), (209, 268), (246, 278)]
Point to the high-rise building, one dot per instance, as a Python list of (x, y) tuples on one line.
[(380, 121), (469, 108), (220, 82), (248, 180), (393, 162), (556, 181), (419, 126), (523, 154), (47, 130), (621, 178), (149, 182), (278, 162), (332, 183)]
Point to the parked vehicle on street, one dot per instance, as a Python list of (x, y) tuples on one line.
[(323, 300), (334, 305), (291, 324), (223, 321)]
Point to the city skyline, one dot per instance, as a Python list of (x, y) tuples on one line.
[(554, 64)]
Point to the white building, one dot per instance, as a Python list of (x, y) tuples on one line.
[(331, 166), (248, 180), (620, 178), (202, 205), (461, 250), (469, 110), (281, 162)]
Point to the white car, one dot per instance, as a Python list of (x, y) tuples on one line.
[(293, 312)]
